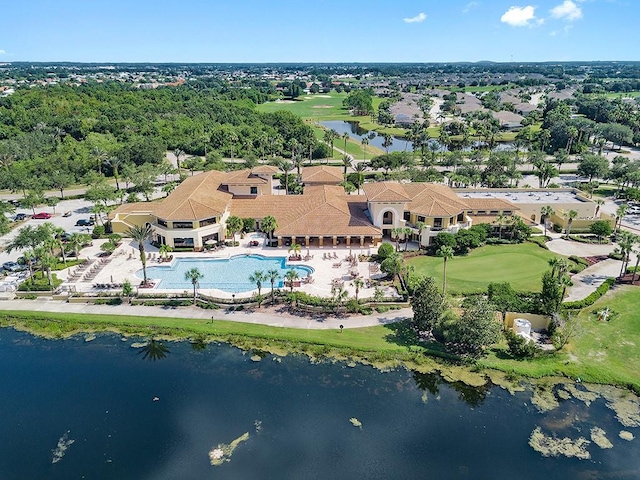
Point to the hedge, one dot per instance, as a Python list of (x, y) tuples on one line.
[(540, 240), (591, 298)]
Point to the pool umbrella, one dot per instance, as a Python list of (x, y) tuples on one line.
[(210, 242)]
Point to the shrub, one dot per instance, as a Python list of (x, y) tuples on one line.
[(541, 241), (591, 298), (98, 231), (579, 260), (520, 347), (385, 250), (108, 301), (615, 255), (501, 241), (382, 308)]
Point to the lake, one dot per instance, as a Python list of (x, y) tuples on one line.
[(398, 144), (117, 415)]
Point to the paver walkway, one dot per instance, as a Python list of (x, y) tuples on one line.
[(271, 316)]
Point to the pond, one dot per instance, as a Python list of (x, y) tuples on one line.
[(398, 145), (100, 409)]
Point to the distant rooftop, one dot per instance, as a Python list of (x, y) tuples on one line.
[(525, 196)]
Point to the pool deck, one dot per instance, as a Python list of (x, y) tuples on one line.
[(125, 262)]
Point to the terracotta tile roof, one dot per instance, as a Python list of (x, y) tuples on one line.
[(433, 200), (322, 174), (243, 177), (265, 169), (490, 204), (322, 210), (385, 192), (135, 207), (196, 198)]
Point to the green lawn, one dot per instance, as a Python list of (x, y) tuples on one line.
[(603, 352), (522, 265), (314, 107)]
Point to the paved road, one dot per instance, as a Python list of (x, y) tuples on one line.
[(275, 317)]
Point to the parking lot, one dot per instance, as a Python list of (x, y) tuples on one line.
[(80, 209)]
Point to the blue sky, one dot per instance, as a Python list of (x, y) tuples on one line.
[(319, 31)]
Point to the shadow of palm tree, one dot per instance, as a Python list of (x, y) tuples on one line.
[(154, 350)]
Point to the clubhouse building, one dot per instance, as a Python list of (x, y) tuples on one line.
[(194, 215)]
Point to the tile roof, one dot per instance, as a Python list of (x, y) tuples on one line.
[(243, 177), (196, 198), (265, 169), (385, 192), (322, 174), (134, 207), (433, 200), (490, 204), (322, 210)]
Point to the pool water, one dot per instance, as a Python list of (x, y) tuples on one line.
[(229, 275)]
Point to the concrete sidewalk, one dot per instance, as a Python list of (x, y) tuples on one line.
[(271, 316)]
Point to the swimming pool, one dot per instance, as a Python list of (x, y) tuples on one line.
[(230, 275)]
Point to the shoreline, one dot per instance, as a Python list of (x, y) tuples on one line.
[(381, 346)]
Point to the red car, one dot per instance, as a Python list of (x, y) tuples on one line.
[(42, 216)]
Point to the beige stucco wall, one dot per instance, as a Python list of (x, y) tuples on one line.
[(538, 322), (580, 224), (376, 210), (245, 189), (123, 221)]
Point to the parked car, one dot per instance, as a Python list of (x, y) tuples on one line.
[(19, 217), (42, 216), (12, 267), (66, 214), (85, 222)]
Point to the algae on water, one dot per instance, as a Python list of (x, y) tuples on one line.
[(544, 399), (222, 453), (64, 442), (628, 436), (599, 437), (551, 446), (355, 422), (624, 403)]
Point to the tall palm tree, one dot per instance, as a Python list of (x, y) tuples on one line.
[(273, 275), (114, 163), (346, 163), (565, 282), (570, 216), (406, 233), (141, 233), (194, 275), (420, 227), (635, 270), (76, 240), (395, 233), (545, 213), (339, 295), (446, 252), (364, 141), (360, 169), (358, 283), (258, 277), (599, 204), (620, 212), (345, 137), (387, 141), (286, 167), (178, 153), (626, 241), (295, 249), (99, 156), (501, 220), (268, 225)]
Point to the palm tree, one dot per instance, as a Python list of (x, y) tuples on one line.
[(364, 141), (420, 227), (258, 277), (626, 241), (620, 212), (234, 225), (599, 204), (58, 232), (387, 141), (291, 276), (339, 295), (273, 275), (501, 220), (194, 275), (164, 250), (406, 233), (100, 156), (114, 163), (570, 216), (358, 283), (635, 270), (395, 233), (141, 233), (565, 282), (178, 153), (295, 249), (546, 212), (286, 167), (554, 263), (446, 252), (345, 137), (268, 225), (329, 137), (76, 240), (360, 169), (346, 163)]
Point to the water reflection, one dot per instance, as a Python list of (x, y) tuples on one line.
[(471, 395), (154, 350), (198, 343)]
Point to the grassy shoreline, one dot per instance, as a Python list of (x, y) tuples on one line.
[(384, 347)]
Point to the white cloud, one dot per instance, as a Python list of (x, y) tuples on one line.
[(567, 10), (421, 17), (519, 16), (2, 52), (470, 6)]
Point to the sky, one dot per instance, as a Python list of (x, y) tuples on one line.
[(269, 31)]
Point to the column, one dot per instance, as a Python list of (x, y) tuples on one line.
[(348, 241), (321, 241), (361, 241), (335, 240)]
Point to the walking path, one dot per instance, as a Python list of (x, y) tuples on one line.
[(271, 316)]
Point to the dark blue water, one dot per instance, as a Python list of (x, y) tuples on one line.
[(413, 426)]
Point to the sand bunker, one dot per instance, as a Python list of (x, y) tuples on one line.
[(322, 106)]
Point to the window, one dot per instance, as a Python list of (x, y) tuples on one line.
[(254, 190), (183, 242), (460, 217), (387, 218), (407, 216), (437, 223), (207, 221), (182, 225), (482, 212), (162, 223), (494, 212), (421, 219)]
